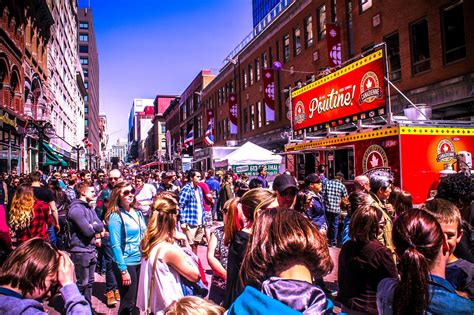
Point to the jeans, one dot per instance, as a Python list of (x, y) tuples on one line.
[(52, 235), (333, 227), (84, 265), (128, 294), (106, 251)]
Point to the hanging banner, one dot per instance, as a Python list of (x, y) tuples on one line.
[(209, 115), (333, 41), (356, 91), (269, 93), (233, 113)]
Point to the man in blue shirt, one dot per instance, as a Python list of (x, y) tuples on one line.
[(191, 213), (214, 186)]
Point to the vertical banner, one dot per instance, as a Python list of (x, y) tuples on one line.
[(168, 144), (233, 113), (209, 115), (269, 93), (333, 40)]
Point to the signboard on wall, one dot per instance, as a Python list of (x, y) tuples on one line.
[(252, 170), (356, 91)]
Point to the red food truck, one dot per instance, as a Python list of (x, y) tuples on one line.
[(353, 101)]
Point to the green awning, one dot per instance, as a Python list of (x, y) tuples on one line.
[(52, 158)]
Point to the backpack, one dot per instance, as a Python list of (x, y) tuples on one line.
[(64, 236)]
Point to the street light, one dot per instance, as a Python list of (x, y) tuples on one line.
[(79, 150), (41, 129)]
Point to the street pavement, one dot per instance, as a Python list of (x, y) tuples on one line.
[(98, 298)]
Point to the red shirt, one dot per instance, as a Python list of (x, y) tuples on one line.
[(38, 225), (206, 200)]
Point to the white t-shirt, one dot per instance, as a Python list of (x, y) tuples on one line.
[(199, 205), (166, 281), (145, 195)]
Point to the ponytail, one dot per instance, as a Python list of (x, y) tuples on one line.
[(417, 237)]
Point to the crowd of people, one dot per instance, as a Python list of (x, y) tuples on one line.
[(268, 245)]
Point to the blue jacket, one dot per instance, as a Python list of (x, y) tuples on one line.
[(125, 238), (12, 303), (443, 298), (84, 225)]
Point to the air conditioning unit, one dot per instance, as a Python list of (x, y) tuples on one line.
[(231, 143)]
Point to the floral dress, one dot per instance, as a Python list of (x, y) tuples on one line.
[(221, 253)]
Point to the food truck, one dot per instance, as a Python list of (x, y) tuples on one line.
[(344, 121)]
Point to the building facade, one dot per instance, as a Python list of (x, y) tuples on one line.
[(89, 60), (25, 29), (428, 49), (139, 122), (66, 81), (119, 150), (104, 139)]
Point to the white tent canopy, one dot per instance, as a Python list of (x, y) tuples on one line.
[(249, 154)]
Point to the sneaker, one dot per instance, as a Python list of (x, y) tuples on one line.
[(117, 295), (111, 301)]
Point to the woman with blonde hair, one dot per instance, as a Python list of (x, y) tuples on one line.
[(29, 217), (163, 260), (193, 305), (126, 227), (251, 203)]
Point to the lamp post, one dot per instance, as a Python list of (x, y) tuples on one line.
[(79, 150), (42, 129)]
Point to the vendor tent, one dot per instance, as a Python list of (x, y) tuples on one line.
[(249, 154)]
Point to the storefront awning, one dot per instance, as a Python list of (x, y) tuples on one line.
[(52, 158), (151, 164)]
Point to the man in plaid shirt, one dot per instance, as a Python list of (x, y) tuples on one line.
[(334, 192), (191, 210)]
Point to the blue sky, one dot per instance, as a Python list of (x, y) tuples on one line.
[(150, 47)]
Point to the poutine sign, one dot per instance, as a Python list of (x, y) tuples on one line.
[(356, 91)]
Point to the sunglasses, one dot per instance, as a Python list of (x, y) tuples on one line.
[(113, 178), (125, 193), (288, 192)]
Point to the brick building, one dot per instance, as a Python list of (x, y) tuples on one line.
[(25, 29), (89, 59), (429, 50)]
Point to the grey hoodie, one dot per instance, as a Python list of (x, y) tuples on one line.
[(84, 225), (74, 303)]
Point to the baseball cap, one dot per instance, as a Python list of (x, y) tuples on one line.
[(283, 182), (312, 178)]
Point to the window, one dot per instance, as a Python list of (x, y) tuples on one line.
[(393, 51), (296, 41), (250, 75), (83, 49), (308, 32), (83, 37), (86, 122), (420, 48), (84, 25), (86, 110), (257, 69), (321, 14), (259, 114), (252, 117), (244, 75), (454, 42), (86, 98), (286, 48), (364, 5), (86, 85), (246, 120), (86, 73), (84, 61), (264, 60), (163, 128), (333, 11)]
